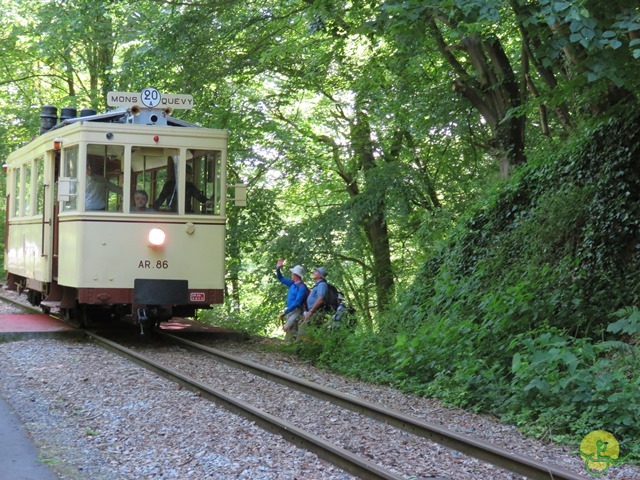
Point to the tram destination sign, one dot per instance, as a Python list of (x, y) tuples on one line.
[(150, 98)]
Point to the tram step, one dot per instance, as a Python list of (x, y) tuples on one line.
[(50, 303)]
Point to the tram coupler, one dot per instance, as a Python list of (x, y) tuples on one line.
[(143, 319)]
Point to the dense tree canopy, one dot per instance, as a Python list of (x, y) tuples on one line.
[(373, 136)]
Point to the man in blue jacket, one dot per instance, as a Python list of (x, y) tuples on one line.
[(296, 299)]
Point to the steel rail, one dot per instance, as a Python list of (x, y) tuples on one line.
[(28, 308), (521, 464), (332, 453)]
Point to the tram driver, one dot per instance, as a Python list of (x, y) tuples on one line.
[(170, 194)]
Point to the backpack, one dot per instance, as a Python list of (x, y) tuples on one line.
[(331, 300), (306, 295)]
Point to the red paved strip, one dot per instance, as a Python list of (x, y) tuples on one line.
[(31, 323)]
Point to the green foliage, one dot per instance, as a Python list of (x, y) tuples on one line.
[(254, 319), (599, 35), (566, 384), (577, 222), (339, 349), (511, 315), (509, 309), (629, 322)]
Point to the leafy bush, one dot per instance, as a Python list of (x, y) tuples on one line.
[(628, 323), (566, 384), (513, 314)]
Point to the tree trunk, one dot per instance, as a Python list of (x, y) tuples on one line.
[(374, 223), (378, 237), (492, 89)]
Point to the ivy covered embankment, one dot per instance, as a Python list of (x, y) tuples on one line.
[(532, 310)]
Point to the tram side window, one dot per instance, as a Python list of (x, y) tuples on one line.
[(70, 172), (17, 194), (105, 177), (203, 195), (40, 185), (27, 190)]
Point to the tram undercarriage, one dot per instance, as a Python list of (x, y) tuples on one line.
[(91, 307)]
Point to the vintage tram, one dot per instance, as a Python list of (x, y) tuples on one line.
[(82, 240)]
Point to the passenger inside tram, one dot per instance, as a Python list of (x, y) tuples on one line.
[(97, 188), (140, 201)]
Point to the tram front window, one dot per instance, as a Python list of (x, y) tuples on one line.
[(200, 185), (105, 177), (165, 187)]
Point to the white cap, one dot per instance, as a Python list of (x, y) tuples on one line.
[(298, 270)]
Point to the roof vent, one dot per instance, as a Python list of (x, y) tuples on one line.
[(48, 118), (67, 113), (87, 112)]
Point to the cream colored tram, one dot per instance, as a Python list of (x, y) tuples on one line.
[(84, 250)]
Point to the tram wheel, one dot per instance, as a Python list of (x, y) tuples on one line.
[(34, 297), (70, 315)]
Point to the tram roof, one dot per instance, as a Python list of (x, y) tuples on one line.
[(120, 116)]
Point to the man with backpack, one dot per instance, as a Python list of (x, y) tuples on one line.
[(296, 299), (317, 296), (323, 298)]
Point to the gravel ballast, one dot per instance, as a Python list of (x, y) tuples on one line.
[(95, 415)]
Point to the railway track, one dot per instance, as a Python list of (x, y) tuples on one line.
[(21, 305), (341, 457)]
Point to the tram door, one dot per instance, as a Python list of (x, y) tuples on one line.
[(55, 210)]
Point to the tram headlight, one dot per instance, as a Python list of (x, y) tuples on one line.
[(157, 237)]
